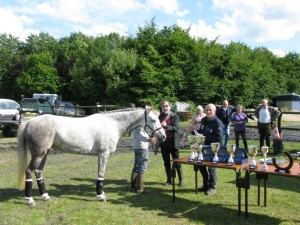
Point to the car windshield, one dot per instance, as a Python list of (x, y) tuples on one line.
[(8, 104)]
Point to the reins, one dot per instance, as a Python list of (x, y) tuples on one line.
[(153, 131)]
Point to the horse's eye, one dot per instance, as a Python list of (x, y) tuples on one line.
[(153, 121)]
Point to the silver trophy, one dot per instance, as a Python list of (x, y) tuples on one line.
[(231, 150), (200, 139), (192, 141), (215, 148), (265, 150), (253, 152)]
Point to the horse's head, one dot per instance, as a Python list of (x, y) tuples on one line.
[(153, 126)]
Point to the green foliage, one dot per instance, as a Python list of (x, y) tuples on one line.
[(149, 66), (9, 55), (39, 75)]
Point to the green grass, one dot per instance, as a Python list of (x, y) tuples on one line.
[(70, 180)]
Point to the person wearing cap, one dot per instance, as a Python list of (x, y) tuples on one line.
[(196, 119)]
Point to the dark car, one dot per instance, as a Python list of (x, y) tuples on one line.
[(68, 108)]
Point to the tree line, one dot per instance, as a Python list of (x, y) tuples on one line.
[(149, 66)]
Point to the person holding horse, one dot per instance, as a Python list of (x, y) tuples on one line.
[(170, 122), (141, 142)]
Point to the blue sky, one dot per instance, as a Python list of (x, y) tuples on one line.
[(274, 24)]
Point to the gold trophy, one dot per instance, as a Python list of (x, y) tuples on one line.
[(200, 139), (191, 139), (253, 153), (230, 149), (265, 150), (215, 148)]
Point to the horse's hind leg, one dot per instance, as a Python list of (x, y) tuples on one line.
[(33, 165), (40, 180)]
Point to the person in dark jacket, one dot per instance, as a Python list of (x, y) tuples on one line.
[(212, 128), (224, 114), (170, 122)]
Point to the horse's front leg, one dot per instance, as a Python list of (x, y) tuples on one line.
[(102, 160)]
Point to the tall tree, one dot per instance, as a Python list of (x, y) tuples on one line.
[(9, 58), (39, 75)]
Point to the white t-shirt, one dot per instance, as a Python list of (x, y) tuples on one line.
[(140, 139), (264, 116)]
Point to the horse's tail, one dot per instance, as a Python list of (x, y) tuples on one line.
[(22, 154)]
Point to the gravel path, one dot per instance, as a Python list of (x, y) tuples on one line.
[(126, 145)]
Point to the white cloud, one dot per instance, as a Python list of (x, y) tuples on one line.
[(278, 52), (10, 23), (258, 20), (93, 30), (170, 7)]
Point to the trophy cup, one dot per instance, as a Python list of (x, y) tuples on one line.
[(215, 148), (191, 140), (253, 152), (200, 140), (230, 149), (265, 150)]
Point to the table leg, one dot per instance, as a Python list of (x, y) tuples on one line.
[(259, 177), (265, 192), (173, 174), (242, 183), (196, 178), (258, 192)]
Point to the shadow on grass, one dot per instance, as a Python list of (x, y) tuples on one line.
[(159, 200), (290, 184)]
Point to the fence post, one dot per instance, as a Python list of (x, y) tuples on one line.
[(97, 107), (279, 122)]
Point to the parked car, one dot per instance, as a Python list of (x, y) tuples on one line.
[(68, 108), (9, 117)]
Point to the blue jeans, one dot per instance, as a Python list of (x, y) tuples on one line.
[(226, 133), (140, 160)]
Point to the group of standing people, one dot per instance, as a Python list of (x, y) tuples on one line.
[(214, 124)]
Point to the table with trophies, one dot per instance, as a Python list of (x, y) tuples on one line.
[(230, 157), (214, 155), (278, 167)]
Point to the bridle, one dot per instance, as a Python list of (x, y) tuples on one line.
[(153, 131)]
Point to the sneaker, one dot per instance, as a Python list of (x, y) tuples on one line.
[(211, 192), (202, 189), (168, 182)]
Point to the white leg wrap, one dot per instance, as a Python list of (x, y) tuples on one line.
[(30, 201), (102, 197), (46, 197)]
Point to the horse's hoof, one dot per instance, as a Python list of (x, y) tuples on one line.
[(102, 197), (46, 197), (31, 204)]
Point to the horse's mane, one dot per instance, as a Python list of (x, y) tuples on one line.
[(120, 110), (126, 110)]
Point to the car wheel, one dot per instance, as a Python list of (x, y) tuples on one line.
[(7, 131)]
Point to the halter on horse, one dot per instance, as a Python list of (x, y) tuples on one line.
[(97, 134)]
